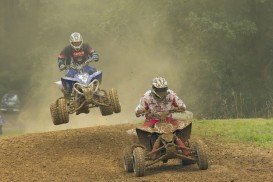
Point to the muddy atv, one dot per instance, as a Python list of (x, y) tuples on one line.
[(82, 93), (139, 156)]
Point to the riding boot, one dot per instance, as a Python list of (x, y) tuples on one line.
[(182, 146)]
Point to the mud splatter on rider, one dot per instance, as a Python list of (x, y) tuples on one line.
[(160, 99)]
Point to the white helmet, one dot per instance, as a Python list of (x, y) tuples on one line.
[(159, 87), (76, 41)]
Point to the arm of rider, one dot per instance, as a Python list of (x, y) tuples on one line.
[(178, 104), (61, 64), (142, 107)]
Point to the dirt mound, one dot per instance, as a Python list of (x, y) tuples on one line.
[(94, 154)]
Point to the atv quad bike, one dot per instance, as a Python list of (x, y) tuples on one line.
[(138, 156), (82, 93)]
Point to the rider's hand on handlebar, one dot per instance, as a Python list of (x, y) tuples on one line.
[(62, 67), (179, 110), (140, 113)]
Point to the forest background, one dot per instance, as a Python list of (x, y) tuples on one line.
[(216, 54)]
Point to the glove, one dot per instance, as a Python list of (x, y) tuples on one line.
[(62, 67), (181, 109), (140, 113), (95, 56)]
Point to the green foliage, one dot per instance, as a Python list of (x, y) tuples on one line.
[(223, 48), (254, 131)]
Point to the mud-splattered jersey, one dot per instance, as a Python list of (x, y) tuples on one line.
[(148, 103)]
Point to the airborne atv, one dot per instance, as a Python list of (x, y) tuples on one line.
[(81, 93), (138, 156)]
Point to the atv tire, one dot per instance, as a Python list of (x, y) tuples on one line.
[(201, 157), (113, 96), (106, 110), (139, 161), (62, 111), (128, 159), (54, 113), (186, 162)]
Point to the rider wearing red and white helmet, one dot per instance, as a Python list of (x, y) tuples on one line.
[(160, 99), (77, 53)]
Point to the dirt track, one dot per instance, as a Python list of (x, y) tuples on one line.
[(94, 154)]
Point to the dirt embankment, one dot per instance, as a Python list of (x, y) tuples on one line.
[(94, 154)]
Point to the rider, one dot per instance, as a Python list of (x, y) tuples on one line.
[(77, 53), (160, 99)]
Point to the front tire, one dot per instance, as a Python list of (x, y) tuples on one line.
[(113, 96), (54, 114), (201, 157), (128, 159), (139, 161), (59, 112)]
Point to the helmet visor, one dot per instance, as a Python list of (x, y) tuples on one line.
[(160, 89), (160, 92), (76, 44)]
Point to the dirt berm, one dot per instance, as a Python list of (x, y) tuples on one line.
[(94, 154)]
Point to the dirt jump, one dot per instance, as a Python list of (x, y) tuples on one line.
[(95, 154)]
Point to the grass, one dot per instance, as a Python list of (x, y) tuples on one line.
[(255, 131), (258, 132)]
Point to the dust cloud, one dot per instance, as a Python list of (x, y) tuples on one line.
[(128, 65)]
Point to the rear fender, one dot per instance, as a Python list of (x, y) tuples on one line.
[(59, 84)]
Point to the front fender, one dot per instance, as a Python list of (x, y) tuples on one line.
[(59, 84)]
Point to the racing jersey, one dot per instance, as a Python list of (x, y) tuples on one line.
[(148, 103), (70, 55)]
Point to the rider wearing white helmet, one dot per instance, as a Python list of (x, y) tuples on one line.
[(77, 53), (160, 99)]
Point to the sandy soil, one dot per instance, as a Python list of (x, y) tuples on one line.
[(95, 154)]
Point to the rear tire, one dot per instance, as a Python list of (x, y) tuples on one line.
[(139, 161), (201, 159), (128, 159), (106, 110), (113, 96), (186, 162)]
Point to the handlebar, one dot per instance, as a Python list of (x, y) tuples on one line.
[(161, 114), (78, 67)]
